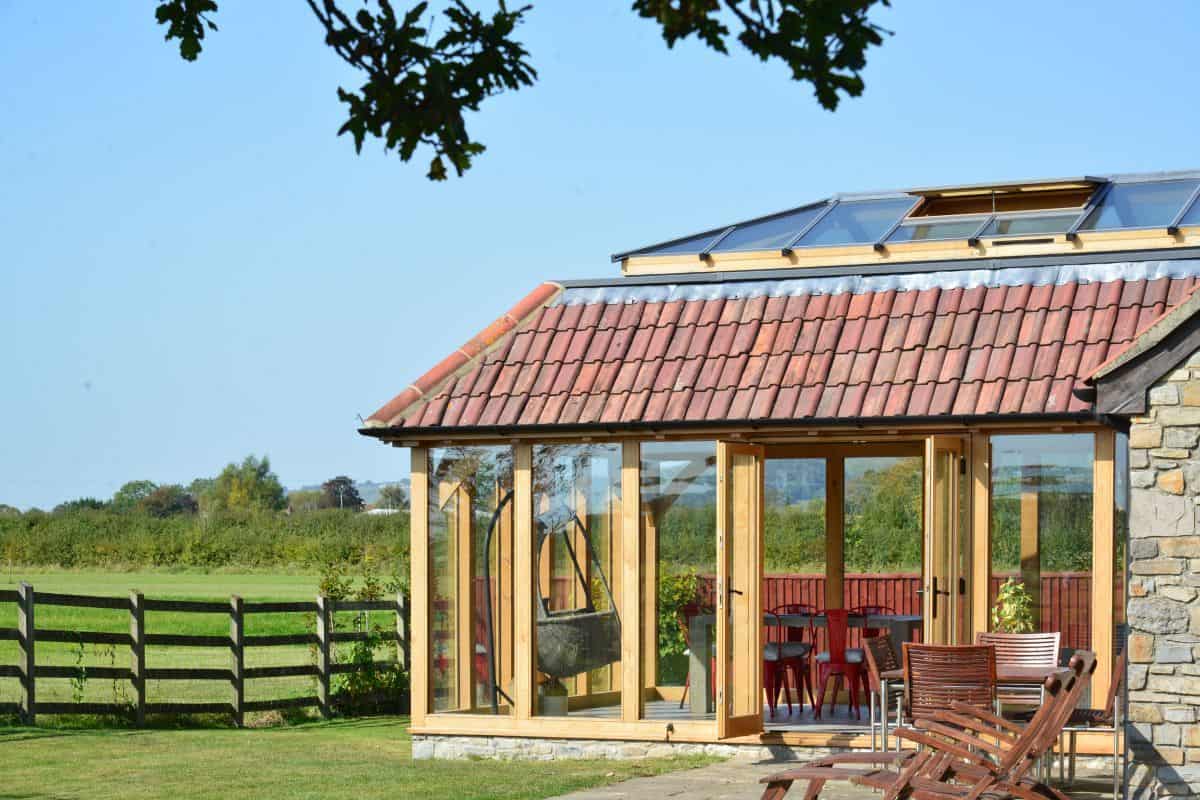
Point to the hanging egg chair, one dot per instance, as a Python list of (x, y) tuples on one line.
[(574, 641)]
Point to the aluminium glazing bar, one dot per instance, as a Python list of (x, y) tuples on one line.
[(1173, 228), (1096, 200), (704, 254), (879, 243), (787, 248)]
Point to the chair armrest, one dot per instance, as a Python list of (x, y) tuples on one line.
[(971, 723), (945, 747), (995, 719)]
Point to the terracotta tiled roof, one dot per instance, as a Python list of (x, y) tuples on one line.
[(963, 344)]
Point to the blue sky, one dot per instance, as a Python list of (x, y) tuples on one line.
[(193, 267)]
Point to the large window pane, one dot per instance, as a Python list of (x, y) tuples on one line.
[(470, 586), (577, 530), (932, 230), (1140, 205), (769, 234), (679, 534), (883, 526), (1042, 528), (857, 222)]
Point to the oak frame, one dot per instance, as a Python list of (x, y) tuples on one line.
[(637, 649)]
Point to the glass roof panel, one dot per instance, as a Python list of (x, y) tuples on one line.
[(1140, 205), (692, 244), (930, 230), (769, 234), (1192, 217), (1023, 226), (857, 222)]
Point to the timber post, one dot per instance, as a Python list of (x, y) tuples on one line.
[(25, 627), (137, 655), (324, 635), (237, 651)]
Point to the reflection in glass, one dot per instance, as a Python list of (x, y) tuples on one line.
[(929, 231), (470, 586), (577, 529), (1042, 489), (769, 234), (856, 222), (1140, 205), (1024, 226), (1120, 539), (679, 534)]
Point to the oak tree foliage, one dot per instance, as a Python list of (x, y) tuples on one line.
[(423, 71)]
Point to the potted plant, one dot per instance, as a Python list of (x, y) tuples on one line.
[(1013, 612)]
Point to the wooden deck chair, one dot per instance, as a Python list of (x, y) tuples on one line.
[(968, 752)]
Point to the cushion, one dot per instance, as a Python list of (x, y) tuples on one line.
[(776, 651), (854, 655)]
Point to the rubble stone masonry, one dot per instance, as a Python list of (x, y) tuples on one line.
[(1163, 724)]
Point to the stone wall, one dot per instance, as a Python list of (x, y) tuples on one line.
[(1163, 725), (532, 749)]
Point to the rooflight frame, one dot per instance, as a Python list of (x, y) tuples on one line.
[(1173, 228), (787, 249), (881, 243)]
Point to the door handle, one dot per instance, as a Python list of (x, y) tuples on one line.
[(935, 591)]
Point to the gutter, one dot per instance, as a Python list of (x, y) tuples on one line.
[(743, 425)]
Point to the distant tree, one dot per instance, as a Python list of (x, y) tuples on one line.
[(304, 500), (9, 511), (128, 496), (393, 496), (168, 501), (81, 504), (340, 492), (423, 71), (249, 486)]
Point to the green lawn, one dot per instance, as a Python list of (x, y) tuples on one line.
[(174, 585), (357, 760)]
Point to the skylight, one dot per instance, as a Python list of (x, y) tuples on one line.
[(967, 213), (773, 233), (1140, 205), (857, 222)]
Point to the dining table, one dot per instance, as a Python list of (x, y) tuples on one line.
[(700, 635), (1007, 674)]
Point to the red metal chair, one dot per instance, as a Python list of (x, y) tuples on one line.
[(839, 662), (869, 633), (786, 652)]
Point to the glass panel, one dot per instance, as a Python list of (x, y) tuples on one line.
[(1042, 532), (1140, 205), (794, 554), (577, 525), (945, 229), (1023, 226), (693, 244), (1192, 217), (857, 222), (470, 593), (679, 533), (769, 234), (883, 527)]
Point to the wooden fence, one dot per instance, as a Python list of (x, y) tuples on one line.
[(28, 671)]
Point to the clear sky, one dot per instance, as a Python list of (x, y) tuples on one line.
[(193, 267)]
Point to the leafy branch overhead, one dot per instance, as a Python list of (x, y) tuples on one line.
[(416, 92)]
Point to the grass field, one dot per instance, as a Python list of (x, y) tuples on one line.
[(357, 760), (183, 585)]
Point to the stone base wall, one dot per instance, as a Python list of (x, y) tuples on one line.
[(1163, 726), (513, 748)]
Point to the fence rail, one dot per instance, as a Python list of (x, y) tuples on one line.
[(28, 635)]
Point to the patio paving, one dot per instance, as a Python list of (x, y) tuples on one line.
[(737, 779)]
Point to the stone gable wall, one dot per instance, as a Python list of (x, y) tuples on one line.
[(1163, 725)]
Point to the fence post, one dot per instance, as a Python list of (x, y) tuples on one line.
[(237, 648), (401, 640), (324, 626), (137, 654), (25, 624)]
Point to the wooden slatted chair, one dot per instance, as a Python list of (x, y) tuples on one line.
[(968, 752), (935, 676), (881, 657), (1022, 650)]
